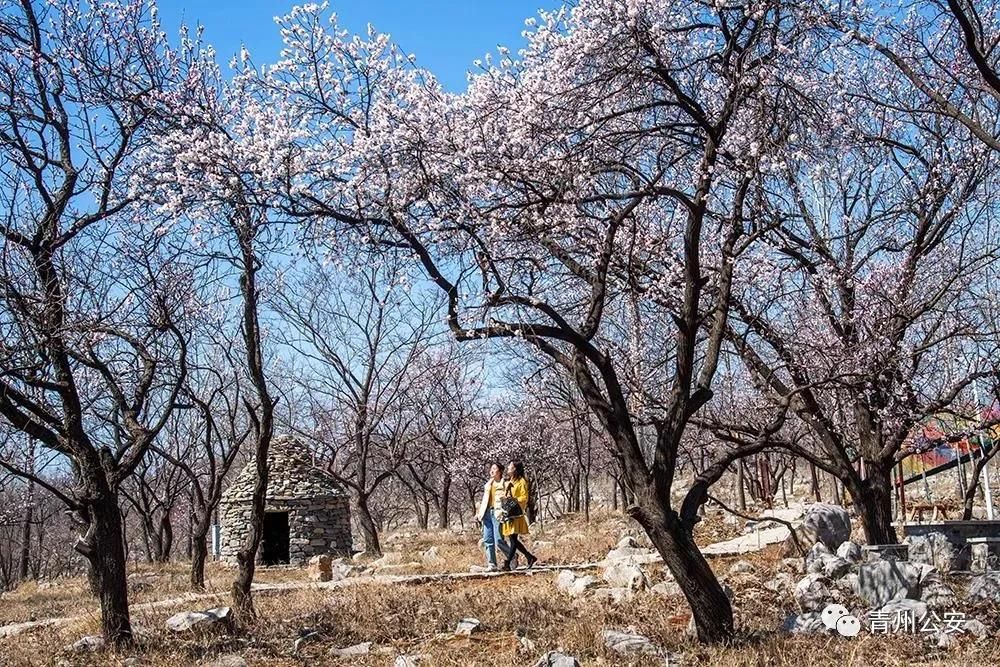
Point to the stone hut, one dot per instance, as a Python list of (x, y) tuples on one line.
[(306, 513)]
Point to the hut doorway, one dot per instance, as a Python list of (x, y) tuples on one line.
[(274, 545)]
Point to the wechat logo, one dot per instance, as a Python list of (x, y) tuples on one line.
[(836, 617)]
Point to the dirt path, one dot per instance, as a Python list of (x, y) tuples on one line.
[(14, 629)]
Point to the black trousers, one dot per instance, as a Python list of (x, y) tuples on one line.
[(515, 546)]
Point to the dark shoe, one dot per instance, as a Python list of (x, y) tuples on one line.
[(505, 567), (531, 561)]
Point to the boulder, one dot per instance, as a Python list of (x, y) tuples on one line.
[(364, 648), (812, 592), (431, 557), (565, 580), (582, 584), (933, 549), (850, 551), (881, 581), (985, 587), (319, 568), (826, 523), (814, 557), (936, 593), (557, 659), (835, 567), (625, 575), (976, 628), (217, 618), (629, 644), (912, 609)]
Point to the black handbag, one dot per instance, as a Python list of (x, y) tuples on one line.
[(511, 508)]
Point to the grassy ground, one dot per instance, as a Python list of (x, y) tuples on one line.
[(522, 617)]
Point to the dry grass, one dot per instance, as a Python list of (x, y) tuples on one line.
[(419, 619)]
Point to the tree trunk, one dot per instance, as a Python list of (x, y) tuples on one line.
[(246, 557), (24, 564), (444, 502), (104, 549), (368, 528), (872, 498), (711, 608), (165, 539), (199, 554)]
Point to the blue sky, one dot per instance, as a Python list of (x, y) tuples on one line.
[(445, 35)]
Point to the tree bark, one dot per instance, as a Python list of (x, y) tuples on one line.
[(711, 608), (444, 502), (369, 530), (199, 554), (24, 565), (104, 549), (872, 498)]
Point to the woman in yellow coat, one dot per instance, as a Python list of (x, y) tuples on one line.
[(514, 527)]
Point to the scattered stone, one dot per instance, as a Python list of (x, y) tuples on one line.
[(808, 623), (812, 593), (850, 551), (539, 545), (883, 580), (793, 565), (625, 575), (364, 648), (627, 542), (565, 580), (976, 628), (467, 626), (431, 557), (667, 589), (478, 569), (319, 568), (389, 558), (835, 567), (557, 659), (741, 567), (210, 619), (826, 523), (904, 608), (304, 638), (88, 644), (936, 593), (781, 582), (946, 640), (847, 584), (614, 595), (815, 556), (933, 549), (626, 643), (582, 584), (409, 660), (985, 587)]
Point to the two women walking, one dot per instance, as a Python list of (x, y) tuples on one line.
[(502, 514)]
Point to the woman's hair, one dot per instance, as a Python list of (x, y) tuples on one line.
[(497, 464), (518, 468)]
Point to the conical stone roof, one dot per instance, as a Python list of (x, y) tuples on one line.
[(291, 475)]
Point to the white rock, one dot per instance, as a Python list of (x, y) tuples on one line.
[(467, 626), (625, 575), (813, 592), (826, 523), (835, 567), (667, 589), (582, 584), (626, 643), (409, 660), (850, 552), (614, 595), (389, 558), (431, 557), (87, 644), (216, 617), (815, 556), (556, 659), (985, 587), (976, 628), (811, 622), (364, 648), (741, 567)]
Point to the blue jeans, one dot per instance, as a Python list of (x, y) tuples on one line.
[(492, 540)]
